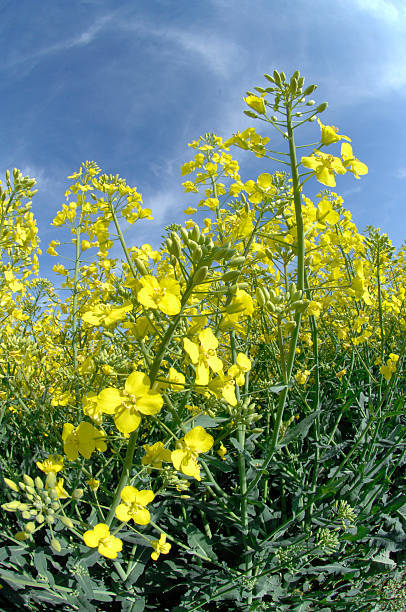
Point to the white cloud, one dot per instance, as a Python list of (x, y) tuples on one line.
[(383, 9), (220, 54)]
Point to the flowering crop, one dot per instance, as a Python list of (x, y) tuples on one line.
[(244, 381)]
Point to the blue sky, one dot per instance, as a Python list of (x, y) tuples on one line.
[(129, 84)]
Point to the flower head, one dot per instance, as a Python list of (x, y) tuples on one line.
[(83, 439), (195, 441), (100, 537), (53, 463), (134, 505), (161, 546), (128, 405), (329, 134), (324, 167), (163, 295)]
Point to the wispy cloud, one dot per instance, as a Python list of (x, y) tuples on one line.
[(86, 37), (213, 47)]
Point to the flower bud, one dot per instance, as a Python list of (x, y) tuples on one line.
[(230, 275), (200, 275), (29, 527), (50, 480), (56, 545), (309, 90), (28, 480), (77, 494), (65, 520), (11, 484), (322, 107)]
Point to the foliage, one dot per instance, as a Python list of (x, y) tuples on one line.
[(217, 424)]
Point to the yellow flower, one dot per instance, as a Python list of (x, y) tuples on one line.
[(61, 492), (324, 167), (222, 451), (53, 463), (196, 441), (302, 376), (161, 546), (239, 369), (155, 455), (204, 355), (350, 162), (329, 134), (390, 367), (256, 103), (93, 484), (128, 405), (134, 505), (341, 374), (83, 439), (108, 545), (106, 315), (223, 387), (163, 295)]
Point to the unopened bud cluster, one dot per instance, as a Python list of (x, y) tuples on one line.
[(243, 413), (201, 251), (291, 301), (37, 504)]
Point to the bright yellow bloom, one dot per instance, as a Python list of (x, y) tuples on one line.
[(324, 167), (134, 505), (61, 492), (163, 295), (302, 376), (340, 375), (155, 455), (350, 162), (83, 439), (223, 387), (53, 463), (93, 484), (222, 451), (256, 103), (127, 406), (161, 546), (239, 369), (329, 134), (108, 545), (184, 459), (203, 355), (390, 367), (106, 314)]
